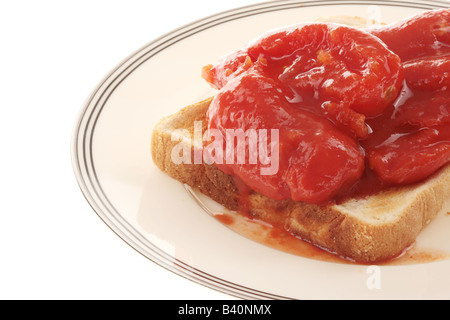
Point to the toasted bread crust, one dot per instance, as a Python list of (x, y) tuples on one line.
[(367, 230), (206, 178)]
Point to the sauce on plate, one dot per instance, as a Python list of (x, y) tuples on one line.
[(280, 239)]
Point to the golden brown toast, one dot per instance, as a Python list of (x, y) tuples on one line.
[(368, 230)]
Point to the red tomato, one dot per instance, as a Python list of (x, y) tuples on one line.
[(423, 35), (340, 97), (315, 159)]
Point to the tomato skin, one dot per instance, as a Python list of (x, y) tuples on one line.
[(428, 73), (423, 35), (411, 157)]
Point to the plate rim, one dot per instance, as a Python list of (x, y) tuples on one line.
[(84, 128)]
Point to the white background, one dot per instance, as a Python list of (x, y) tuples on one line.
[(53, 54)]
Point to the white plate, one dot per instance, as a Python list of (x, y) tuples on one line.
[(159, 218)]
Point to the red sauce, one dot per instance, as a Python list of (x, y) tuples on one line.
[(275, 237), (280, 239), (225, 219), (357, 110)]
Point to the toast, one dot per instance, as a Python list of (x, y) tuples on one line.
[(370, 229)]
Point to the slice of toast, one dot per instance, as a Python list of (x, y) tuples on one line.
[(375, 228)]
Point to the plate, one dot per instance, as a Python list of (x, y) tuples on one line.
[(161, 219)]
